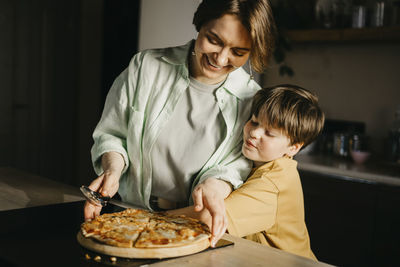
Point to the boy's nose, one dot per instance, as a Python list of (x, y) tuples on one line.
[(255, 132)]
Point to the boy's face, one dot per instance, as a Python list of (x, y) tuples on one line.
[(262, 145)]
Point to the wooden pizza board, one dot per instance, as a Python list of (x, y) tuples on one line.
[(143, 253)]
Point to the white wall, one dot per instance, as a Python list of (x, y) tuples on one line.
[(165, 23), (359, 82)]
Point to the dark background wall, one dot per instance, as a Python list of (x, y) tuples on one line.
[(57, 61), (120, 39)]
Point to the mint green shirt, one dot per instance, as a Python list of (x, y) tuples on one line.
[(141, 101)]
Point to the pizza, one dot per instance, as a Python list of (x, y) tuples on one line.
[(135, 228)]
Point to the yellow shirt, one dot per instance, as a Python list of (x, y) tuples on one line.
[(269, 208)]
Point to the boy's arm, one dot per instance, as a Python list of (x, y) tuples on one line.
[(215, 184), (252, 208)]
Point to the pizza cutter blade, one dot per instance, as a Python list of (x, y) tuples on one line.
[(97, 199), (94, 197)]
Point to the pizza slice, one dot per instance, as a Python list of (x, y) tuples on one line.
[(120, 236), (163, 231)]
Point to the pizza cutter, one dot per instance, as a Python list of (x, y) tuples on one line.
[(97, 199), (94, 197)]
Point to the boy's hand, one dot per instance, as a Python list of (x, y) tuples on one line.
[(210, 195)]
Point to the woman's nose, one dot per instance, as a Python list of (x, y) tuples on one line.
[(222, 57)]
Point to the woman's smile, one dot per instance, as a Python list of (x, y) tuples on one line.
[(211, 64), (221, 46)]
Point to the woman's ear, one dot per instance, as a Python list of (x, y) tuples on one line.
[(293, 149)]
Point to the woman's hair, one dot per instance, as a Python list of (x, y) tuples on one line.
[(255, 15), (292, 109)]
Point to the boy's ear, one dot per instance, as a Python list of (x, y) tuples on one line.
[(293, 149)]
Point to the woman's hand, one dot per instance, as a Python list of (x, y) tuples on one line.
[(210, 195), (107, 183)]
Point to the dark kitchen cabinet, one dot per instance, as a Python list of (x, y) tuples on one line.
[(387, 231), (351, 223)]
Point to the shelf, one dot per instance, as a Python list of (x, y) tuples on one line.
[(345, 35)]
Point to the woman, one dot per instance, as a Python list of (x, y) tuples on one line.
[(173, 119)]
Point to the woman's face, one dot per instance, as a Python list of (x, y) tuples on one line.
[(222, 46)]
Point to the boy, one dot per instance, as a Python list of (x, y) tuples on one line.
[(268, 208)]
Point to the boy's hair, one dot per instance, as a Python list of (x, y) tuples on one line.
[(292, 109), (255, 15)]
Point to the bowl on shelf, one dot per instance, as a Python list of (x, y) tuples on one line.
[(360, 157)]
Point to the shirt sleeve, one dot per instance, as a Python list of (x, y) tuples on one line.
[(252, 208), (233, 169), (110, 132)]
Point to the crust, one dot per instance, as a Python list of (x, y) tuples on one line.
[(143, 253)]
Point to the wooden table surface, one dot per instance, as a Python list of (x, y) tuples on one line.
[(19, 189), (242, 253)]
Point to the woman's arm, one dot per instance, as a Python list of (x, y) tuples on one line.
[(109, 153)]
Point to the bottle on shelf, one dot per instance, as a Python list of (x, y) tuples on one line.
[(377, 13), (333, 13), (359, 14)]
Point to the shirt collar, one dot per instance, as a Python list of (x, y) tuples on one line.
[(283, 161), (235, 83), (178, 55)]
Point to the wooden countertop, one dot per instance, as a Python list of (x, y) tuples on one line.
[(369, 172), (19, 189), (242, 253)]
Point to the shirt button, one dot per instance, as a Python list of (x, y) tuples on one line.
[(222, 101)]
